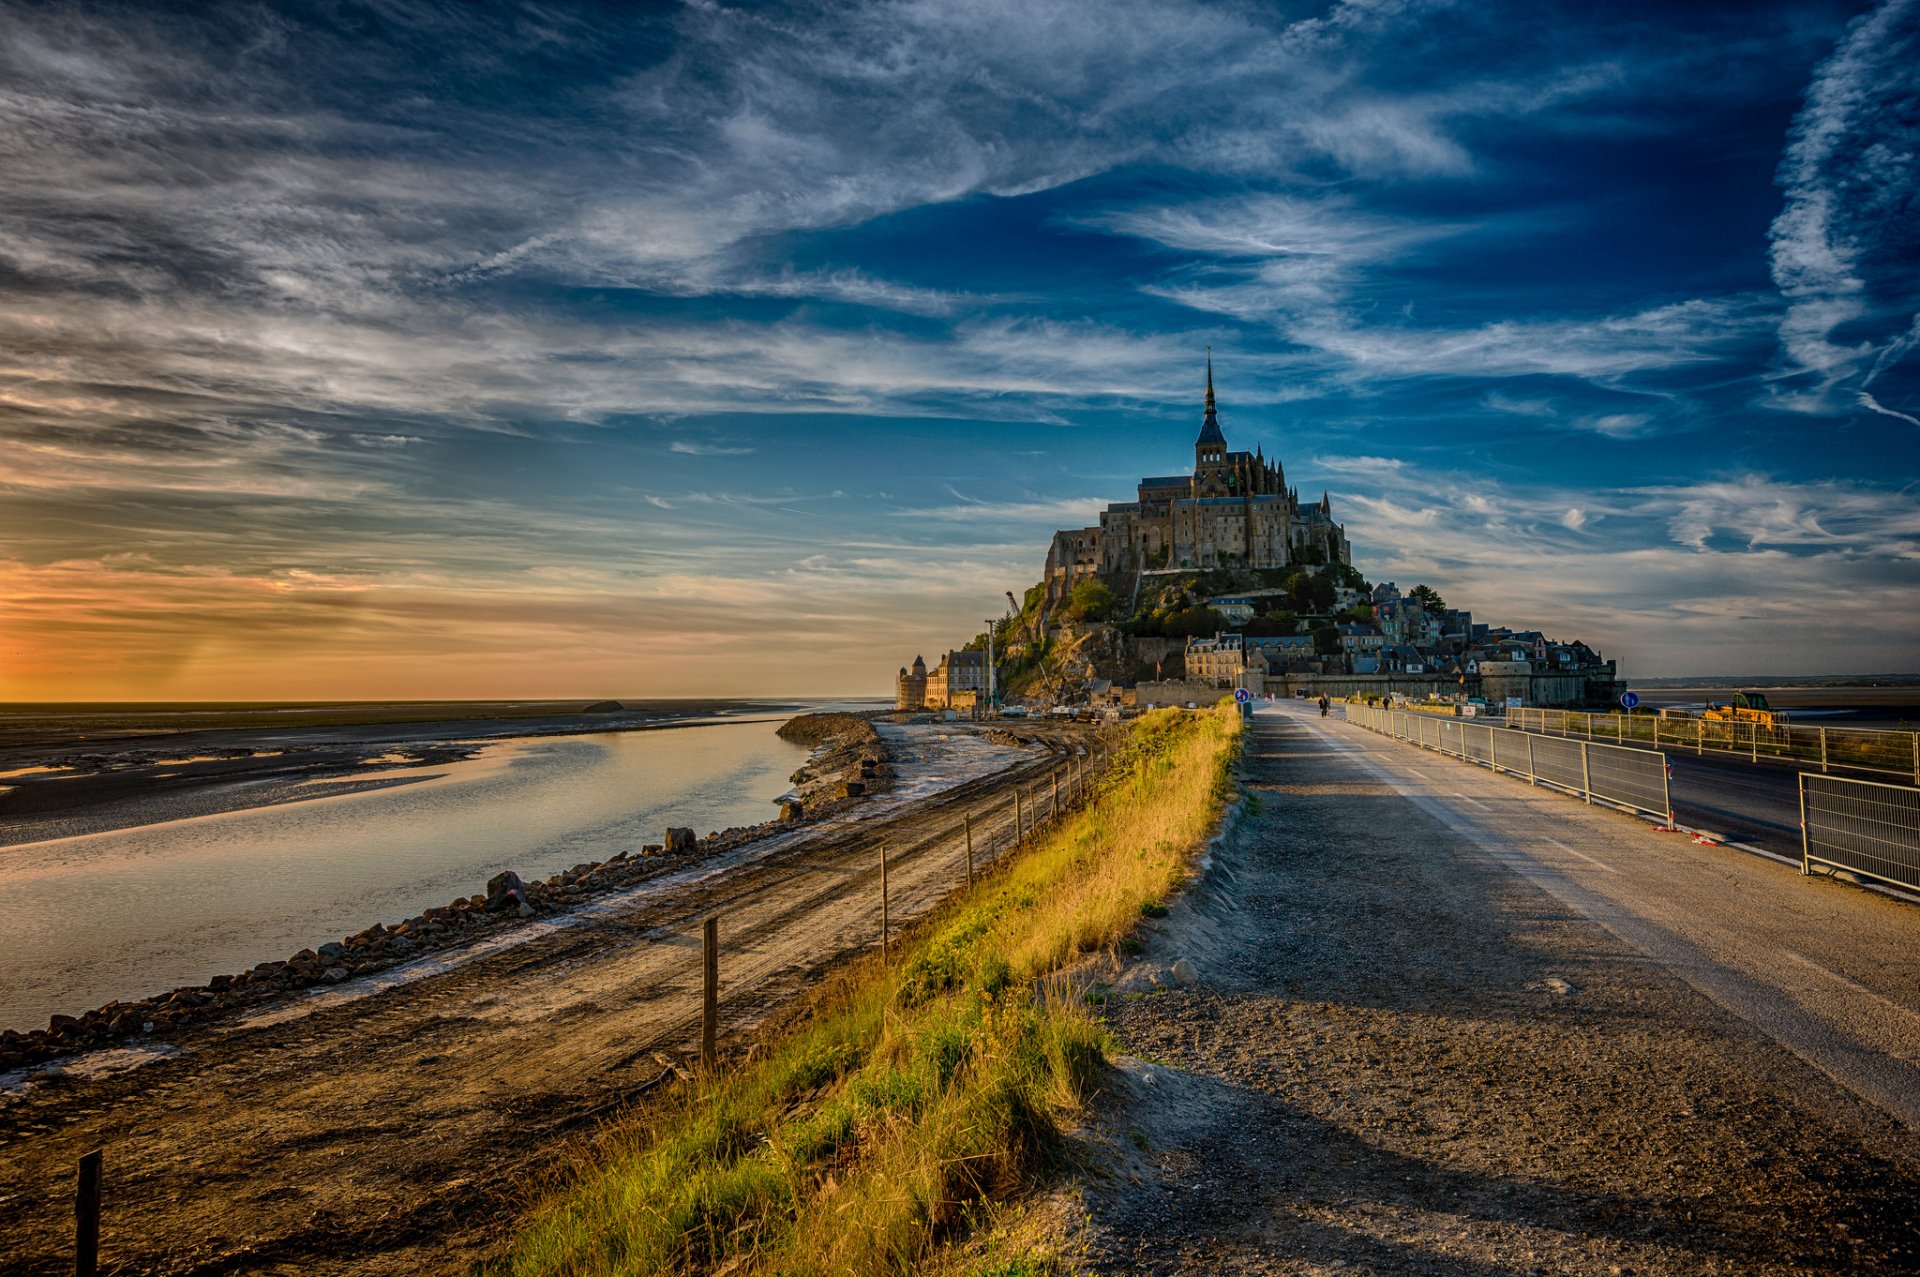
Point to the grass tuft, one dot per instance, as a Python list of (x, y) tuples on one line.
[(908, 1103)]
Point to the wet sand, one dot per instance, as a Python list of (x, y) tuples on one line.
[(70, 770)]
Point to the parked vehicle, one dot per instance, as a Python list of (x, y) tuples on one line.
[(1744, 707)]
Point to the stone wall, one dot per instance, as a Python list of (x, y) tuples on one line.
[(1570, 691), (1177, 692)]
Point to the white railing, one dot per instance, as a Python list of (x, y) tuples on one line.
[(1862, 826), (1634, 779), (1828, 748)]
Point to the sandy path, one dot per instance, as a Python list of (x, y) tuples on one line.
[(394, 1133)]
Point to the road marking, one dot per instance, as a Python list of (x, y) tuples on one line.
[(1835, 976), (1475, 801), (1553, 842)]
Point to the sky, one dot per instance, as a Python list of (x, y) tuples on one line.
[(450, 350)]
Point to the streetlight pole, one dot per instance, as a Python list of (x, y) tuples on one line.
[(990, 700)]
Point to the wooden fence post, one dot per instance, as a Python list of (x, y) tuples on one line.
[(885, 921), (86, 1217), (710, 992), (1017, 835), (969, 823)]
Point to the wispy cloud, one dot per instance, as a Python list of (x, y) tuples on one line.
[(347, 343), (1669, 578), (1843, 246)]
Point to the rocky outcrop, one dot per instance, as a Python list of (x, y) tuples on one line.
[(506, 891), (849, 763)]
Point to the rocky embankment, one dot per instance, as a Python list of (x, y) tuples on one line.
[(507, 902), (849, 763)]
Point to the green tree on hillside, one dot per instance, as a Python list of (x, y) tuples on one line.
[(1309, 592), (1195, 622), (1091, 601), (1348, 575), (1427, 597)]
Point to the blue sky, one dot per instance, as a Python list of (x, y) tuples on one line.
[(422, 349)]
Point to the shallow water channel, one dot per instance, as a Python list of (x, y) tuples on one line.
[(133, 912)]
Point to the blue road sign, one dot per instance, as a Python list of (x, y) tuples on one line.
[(1629, 699), (1242, 695)]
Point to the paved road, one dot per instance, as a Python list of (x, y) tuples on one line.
[(1829, 971), (1444, 1023)]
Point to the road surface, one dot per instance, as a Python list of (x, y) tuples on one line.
[(1830, 971), (1444, 1022)]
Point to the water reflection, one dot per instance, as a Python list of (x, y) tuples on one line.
[(132, 912)]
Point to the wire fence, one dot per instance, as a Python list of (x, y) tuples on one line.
[(985, 835), (1828, 748), (1863, 826), (1634, 779)]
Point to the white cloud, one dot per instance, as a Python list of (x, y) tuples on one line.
[(1667, 578), (1846, 173), (1519, 407), (1602, 350)]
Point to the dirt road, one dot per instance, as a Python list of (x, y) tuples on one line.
[(1445, 1023), (390, 1125)]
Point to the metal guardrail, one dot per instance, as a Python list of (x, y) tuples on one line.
[(1846, 748), (1862, 826), (1635, 779)]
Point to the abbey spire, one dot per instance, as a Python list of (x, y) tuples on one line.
[(1210, 435)]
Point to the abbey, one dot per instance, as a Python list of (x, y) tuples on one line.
[(1234, 510)]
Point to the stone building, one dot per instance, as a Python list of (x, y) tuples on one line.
[(910, 688), (958, 682), (1227, 660), (1234, 510)]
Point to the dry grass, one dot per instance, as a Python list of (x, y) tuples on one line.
[(910, 1101)]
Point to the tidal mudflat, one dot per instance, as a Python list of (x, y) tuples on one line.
[(271, 863)]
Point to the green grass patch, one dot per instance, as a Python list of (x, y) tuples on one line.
[(908, 1103)]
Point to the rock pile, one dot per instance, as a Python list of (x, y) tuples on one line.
[(849, 762)]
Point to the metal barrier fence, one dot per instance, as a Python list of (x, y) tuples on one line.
[(1635, 779), (1848, 748), (1862, 826)]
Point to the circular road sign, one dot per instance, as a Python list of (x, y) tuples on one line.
[(1629, 699), (1242, 695)]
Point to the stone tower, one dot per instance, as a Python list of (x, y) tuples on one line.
[(910, 689)]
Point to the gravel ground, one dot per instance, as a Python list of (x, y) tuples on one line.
[(1400, 1057)]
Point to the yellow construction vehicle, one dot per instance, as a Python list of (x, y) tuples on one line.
[(1745, 707)]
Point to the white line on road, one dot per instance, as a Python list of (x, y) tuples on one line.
[(1475, 801), (1553, 842), (1835, 976)]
